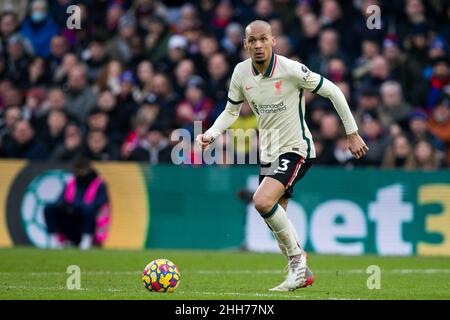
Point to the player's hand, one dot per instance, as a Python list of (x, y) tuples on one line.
[(204, 140), (356, 145)]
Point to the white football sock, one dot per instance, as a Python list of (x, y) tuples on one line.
[(283, 230), (282, 248), (86, 241)]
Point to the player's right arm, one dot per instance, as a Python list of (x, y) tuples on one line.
[(228, 116)]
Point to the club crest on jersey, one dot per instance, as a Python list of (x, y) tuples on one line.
[(278, 87)]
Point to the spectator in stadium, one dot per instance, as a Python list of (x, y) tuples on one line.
[(53, 133), (156, 114), (221, 17), (81, 213), (415, 15), (308, 35), (126, 106), (119, 47), (144, 73), (58, 11), (58, 48), (416, 61), (39, 28), (33, 102), (98, 148), (426, 157), (154, 149), (419, 129), (108, 79), (277, 27), (37, 75), (439, 80), (445, 27), (399, 154), (369, 50), (217, 80), (196, 106), (60, 75), (329, 133), (9, 117), (331, 16), (318, 107), (368, 100), (284, 8), (167, 99), (24, 143), (145, 10), (232, 41), (328, 48), (17, 61), (72, 146), (107, 103), (393, 105), (176, 51), (341, 156), (337, 70), (208, 45), (263, 10), (137, 52), (378, 74), (78, 38), (19, 7), (95, 57), (79, 95), (188, 19), (97, 120), (283, 46), (356, 25), (55, 100), (141, 124), (394, 56), (376, 138), (12, 96), (439, 123), (114, 13), (184, 70), (9, 24), (156, 39)]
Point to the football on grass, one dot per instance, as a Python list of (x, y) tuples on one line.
[(161, 275)]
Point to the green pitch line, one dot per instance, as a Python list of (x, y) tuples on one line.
[(41, 274)]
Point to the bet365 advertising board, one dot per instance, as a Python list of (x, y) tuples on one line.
[(335, 211)]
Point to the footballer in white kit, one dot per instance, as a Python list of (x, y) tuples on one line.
[(274, 87)]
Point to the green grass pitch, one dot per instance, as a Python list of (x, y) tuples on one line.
[(109, 274)]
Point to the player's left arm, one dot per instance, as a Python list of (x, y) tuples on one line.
[(316, 83)]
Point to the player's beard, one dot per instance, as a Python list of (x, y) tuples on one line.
[(259, 61)]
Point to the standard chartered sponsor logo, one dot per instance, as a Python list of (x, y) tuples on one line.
[(269, 108)]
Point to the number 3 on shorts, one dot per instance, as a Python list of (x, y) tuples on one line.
[(283, 167)]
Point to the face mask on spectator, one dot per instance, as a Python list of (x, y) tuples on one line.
[(38, 16)]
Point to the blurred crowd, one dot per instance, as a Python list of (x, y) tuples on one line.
[(135, 71)]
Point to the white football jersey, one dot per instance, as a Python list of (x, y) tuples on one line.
[(277, 99)]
